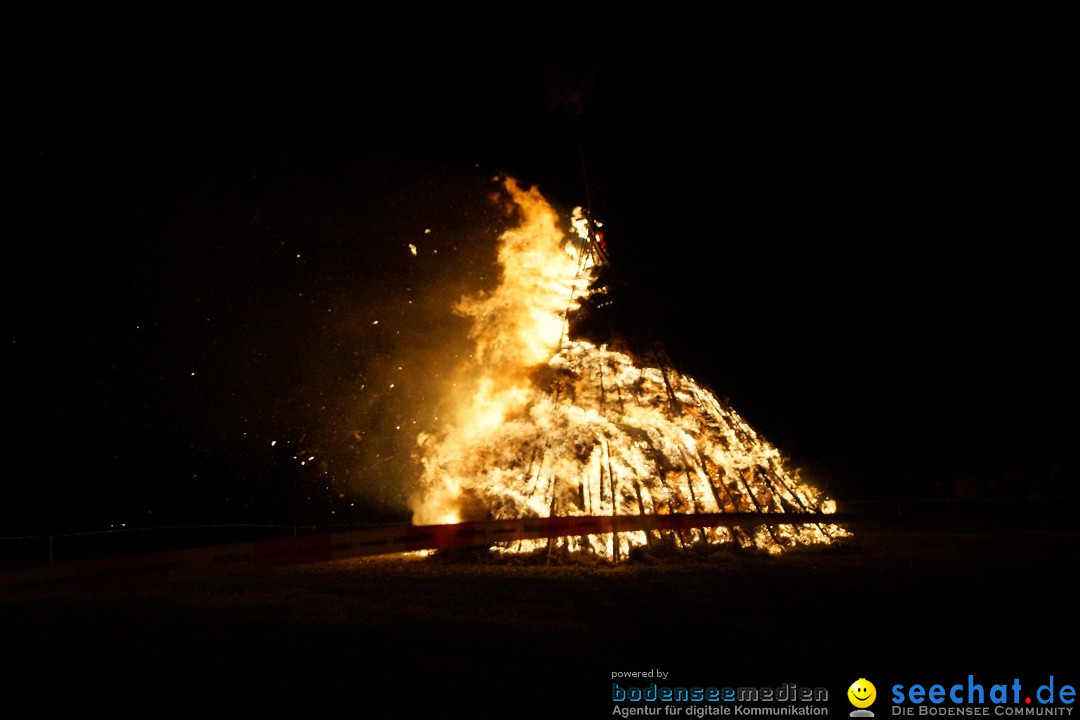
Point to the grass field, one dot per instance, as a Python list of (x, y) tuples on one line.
[(926, 598)]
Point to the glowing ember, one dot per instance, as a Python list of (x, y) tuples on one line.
[(548, 425)]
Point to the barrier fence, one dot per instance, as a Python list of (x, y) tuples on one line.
[(159, 567)]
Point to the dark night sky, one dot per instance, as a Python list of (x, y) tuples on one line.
[(859, 232)]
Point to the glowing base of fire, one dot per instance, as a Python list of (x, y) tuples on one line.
[(620, 545)]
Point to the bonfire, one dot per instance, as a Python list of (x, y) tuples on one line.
[(551, 425)]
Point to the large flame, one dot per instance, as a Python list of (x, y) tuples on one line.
[(546, 424)]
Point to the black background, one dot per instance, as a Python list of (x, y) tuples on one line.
[(858, 230)]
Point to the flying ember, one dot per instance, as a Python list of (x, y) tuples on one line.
[(546, 424)]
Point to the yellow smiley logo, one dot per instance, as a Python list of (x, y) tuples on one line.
[(862, 693)]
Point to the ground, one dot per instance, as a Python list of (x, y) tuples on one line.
[(915, 597)]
